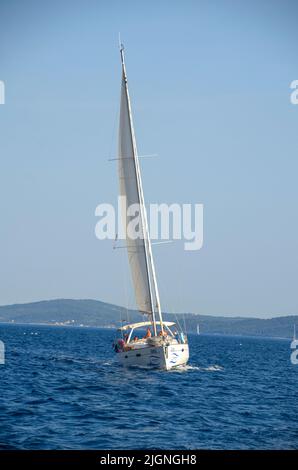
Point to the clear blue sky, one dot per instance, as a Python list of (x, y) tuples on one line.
[(210, 89)]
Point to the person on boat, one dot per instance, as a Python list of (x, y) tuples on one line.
[(125, 338), (136, 339), (148, 333), (163, 333), (119, 345)]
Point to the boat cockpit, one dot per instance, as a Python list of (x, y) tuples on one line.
[(133, 337)]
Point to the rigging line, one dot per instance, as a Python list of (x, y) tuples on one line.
[(163, 242), (112, 159), (181, 309), (184, 322), (171, 308), (115, 242), (138, 250), (181, 304)]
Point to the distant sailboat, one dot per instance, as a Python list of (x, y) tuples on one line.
[(165, 345), (198, 329)]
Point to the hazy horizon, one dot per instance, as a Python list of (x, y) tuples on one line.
[(218, 314), (210, 89)]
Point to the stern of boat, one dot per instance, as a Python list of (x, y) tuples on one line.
[(176, 355), (164, 357)]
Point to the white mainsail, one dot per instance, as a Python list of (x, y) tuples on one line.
[(139, 249)]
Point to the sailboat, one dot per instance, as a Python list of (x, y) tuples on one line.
[(164, 345), (198, 329)]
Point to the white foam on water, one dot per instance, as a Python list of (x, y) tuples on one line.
[(189, 367), (213, 368), (185, 368)]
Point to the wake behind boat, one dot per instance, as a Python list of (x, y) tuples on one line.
[(164, 345)]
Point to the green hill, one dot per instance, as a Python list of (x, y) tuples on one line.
[(100, 314)]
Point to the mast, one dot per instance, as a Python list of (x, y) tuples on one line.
[(147, 244)]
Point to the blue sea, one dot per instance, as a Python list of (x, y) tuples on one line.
[(61, 388)]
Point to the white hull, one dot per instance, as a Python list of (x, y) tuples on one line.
[(161, 357)]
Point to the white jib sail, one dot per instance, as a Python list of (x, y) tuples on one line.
[(140, 259)]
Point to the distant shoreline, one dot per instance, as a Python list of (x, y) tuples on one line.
[(97, 314), (192, 333)]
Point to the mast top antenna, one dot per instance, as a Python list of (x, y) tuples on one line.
[(121, 45)]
